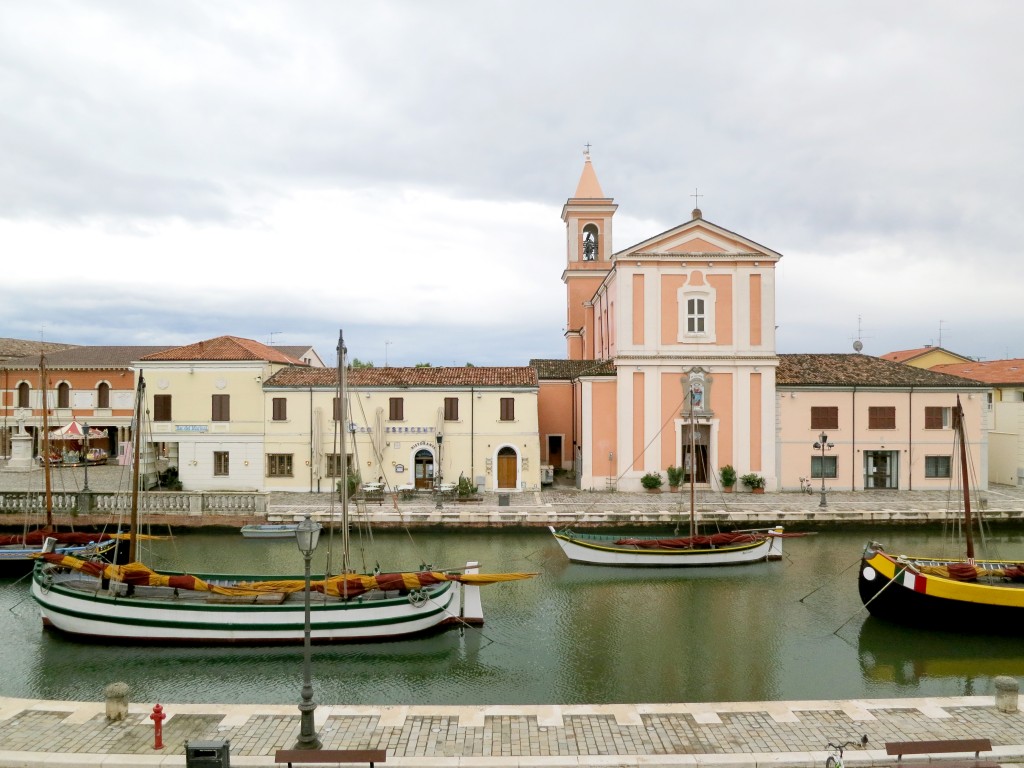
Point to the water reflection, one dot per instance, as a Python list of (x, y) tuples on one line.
[(785, 630)]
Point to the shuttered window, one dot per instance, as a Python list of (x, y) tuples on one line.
[(280, 408), (451, 409), (221, 408), (508, 409), (161, 407), (337, 409), (396, 409), (824, 417), (936, 417), (882, 417)]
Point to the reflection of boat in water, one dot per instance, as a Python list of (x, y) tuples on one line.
[(962, 593), (918, 655)]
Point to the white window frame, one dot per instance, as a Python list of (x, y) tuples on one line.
[(706, 294)]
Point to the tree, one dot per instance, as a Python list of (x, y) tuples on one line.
[(357, 363)]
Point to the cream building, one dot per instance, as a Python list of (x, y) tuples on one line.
[(410, 428)]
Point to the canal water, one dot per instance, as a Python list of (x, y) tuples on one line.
[(787, 630)]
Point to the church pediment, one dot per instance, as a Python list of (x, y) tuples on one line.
[(698, 236)]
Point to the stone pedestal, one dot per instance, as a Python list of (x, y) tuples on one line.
[(21, 454), (1007, 690), (117, 701)]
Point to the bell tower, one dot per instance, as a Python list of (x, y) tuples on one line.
[(588, 234)]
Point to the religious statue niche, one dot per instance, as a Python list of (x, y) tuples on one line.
[(697, 386), (590, 243)]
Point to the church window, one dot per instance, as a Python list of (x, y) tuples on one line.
[(590, 243), (695, 316), (696, 308)]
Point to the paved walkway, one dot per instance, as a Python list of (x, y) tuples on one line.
[(740, 735), (733, 735)]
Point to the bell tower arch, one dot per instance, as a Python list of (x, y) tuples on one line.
[(588, 229)]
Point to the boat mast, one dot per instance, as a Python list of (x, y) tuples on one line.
[(958, 427), (136, 441), (46, 444), (343, 455), (693, 467)]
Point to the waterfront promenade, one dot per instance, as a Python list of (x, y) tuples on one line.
[(52, 733)]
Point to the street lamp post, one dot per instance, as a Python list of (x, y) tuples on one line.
[(439, 477), (824, 445), (306, 536), (85, 456)]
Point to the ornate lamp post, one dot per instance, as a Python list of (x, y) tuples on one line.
[(824, 445), (306, 536), (438, 477)]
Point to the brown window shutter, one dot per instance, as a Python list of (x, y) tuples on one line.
[(882, 417), (824, 417), (933, 417), (451, 409)]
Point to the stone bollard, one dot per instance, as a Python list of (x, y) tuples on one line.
[(1007, 689), (117, 701)]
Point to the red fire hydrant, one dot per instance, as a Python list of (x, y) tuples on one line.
[(158, 718)]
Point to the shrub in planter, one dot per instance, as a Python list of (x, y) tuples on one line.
[(675, 476), (728, 477), (754, 482), (651, 481), (354, 480), (465, 488)]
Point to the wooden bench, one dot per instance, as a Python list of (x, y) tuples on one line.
[(321, 756), (943, 746)]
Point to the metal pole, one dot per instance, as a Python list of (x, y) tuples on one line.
[(85, 486), (823, 438), (308, 738)]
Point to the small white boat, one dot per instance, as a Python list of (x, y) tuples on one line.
[(270, 531)]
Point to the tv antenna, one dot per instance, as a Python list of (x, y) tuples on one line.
[(858, 340), (272, 335), (387, 343)]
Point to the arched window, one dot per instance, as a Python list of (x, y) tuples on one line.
[(103, 395), (590, 243), (23, 390), (63, 395)]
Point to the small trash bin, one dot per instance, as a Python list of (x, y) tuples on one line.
[(502, 499), (208, 754)]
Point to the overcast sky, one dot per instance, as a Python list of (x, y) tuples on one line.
[(174, 171)]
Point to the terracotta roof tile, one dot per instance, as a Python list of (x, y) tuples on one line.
[(225, 348), (990, 372), (14, 348), (903, 355), (464, 376), (847, 370), (572, 369), (87, 357)]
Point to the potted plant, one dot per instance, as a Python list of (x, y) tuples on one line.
[(465, 490), (675, 477), (754, 482), (728, 477), (652, 482)]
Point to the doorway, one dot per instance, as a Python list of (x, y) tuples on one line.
[(507, 474), (555, 451), (700, 445), (881, 469), (423, 469)]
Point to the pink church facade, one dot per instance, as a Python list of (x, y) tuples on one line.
[(691, 308)]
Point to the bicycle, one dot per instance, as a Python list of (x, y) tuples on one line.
[(835, 760)]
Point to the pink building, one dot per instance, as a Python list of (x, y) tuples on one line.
[(671, 361)]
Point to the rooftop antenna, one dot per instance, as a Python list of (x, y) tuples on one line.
[(387, 343), (858, 340), (272, 335), (941, 322)]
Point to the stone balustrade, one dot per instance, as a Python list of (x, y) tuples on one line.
[(177, 503)]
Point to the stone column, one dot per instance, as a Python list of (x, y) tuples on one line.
[(1007, 690), (117, 701)]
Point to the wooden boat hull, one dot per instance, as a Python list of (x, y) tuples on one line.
[(894, 589), (596, 549), (21, 559), (270, 531), (80, 605)]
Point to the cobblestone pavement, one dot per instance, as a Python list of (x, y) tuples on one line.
[(51, 733)]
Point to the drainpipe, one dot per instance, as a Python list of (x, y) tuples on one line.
[(910, 439), (472, 435), (853, 440)]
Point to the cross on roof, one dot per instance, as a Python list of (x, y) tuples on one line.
[(586, 149), (696, 202)]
